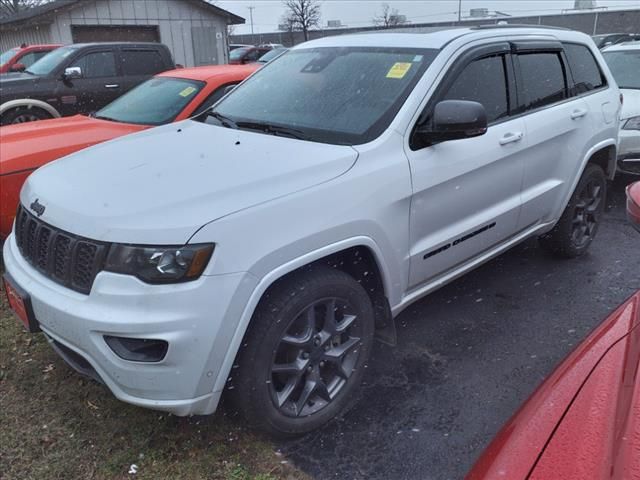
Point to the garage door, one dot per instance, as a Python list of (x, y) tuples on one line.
[(114, 33)]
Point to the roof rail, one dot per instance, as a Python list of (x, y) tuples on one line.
[(515, 25)]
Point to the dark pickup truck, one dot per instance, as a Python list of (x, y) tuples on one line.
[(79, 78)]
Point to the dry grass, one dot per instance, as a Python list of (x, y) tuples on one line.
[(55, 424)]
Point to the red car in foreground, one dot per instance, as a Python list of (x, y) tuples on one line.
[(168, 97), (19, 58), (583, 422)]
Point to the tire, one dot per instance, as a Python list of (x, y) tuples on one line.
[(23, 115), (292, 348), (576, 229)]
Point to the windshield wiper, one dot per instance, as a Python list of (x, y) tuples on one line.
[(274, 129), (225, 121), (28, 71), (109, 119)]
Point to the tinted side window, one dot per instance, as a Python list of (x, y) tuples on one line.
[(483, 81), (584, 68), (97, 64), (213, 97), (254, 55), (142, 62), (543, 79), (30, 58)]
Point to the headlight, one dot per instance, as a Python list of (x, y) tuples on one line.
[(632, 124), (159, 264)]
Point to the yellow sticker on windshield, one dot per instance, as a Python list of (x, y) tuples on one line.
[(187, 91), (399, 70)]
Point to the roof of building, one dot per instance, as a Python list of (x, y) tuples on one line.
[(52, 8)]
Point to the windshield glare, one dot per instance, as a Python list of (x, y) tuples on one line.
[(50, 61), (155, 102), (332, 95), (625, 67), (8, 55)]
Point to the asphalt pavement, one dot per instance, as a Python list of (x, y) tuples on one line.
[(469, 354)]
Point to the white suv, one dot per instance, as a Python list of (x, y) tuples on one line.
[(624, 61), (262, 247)]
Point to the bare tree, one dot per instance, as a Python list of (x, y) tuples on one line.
[(304, 15), (288, 24), (390, 17), (11, 7)]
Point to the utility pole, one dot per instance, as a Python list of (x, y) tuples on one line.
[(251, 17), (459, 10)]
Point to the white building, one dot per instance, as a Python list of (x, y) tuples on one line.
[(194, 30)]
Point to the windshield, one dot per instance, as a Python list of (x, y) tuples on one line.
[(155, 102), (50, 61), (330, 95), (8, 55), (237, 53), (625, 67)]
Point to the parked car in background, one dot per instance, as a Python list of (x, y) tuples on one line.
[(168, 97), (20, 58), (607, 39), (261, 248), (79, 78), (271, 45), (272, 54), (624, 62), (633, 204), (246, 55)]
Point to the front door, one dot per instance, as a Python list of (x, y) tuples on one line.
[(466, 193), (99, 84)]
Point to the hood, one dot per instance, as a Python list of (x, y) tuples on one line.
[(30, 145), (16, 78), (159, 186), (631, 105), (572, 425)]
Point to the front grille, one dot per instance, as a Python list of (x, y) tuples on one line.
[(63, 257)]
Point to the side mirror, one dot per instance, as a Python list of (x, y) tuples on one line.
[(454, 120), (71, 73), (18, 67)]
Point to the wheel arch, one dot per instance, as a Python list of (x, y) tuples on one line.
[(357, 247), (29, 103)]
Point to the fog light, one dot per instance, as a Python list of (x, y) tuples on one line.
[(137, 349)]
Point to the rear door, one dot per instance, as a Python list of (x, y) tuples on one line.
[(559, 128), (466, 193), (139, 64)]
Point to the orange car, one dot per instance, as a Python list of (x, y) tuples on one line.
[(168, 97)]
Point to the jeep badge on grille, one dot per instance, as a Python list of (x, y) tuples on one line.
[(37, 207)]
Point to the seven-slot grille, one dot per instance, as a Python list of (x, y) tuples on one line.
[(65, 258)]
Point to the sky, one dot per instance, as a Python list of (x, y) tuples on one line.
[(358, 13)]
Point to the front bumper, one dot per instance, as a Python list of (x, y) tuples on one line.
[(629, 152), (197, 319)]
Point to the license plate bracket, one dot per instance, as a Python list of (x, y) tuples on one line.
[(20, 304)]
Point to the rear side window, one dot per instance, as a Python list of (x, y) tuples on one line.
[(543, 79), (97, 64), (142, 62), (584, 69), (483, 81)]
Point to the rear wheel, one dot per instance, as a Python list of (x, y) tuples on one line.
[(579, 223), (303, 357), (23, 115)]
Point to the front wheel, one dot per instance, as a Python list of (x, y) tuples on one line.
[(304, 354), (579, 223), (23, 115)]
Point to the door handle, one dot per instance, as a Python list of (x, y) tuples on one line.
[(112, 85), (511, 137), (581, 112)]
